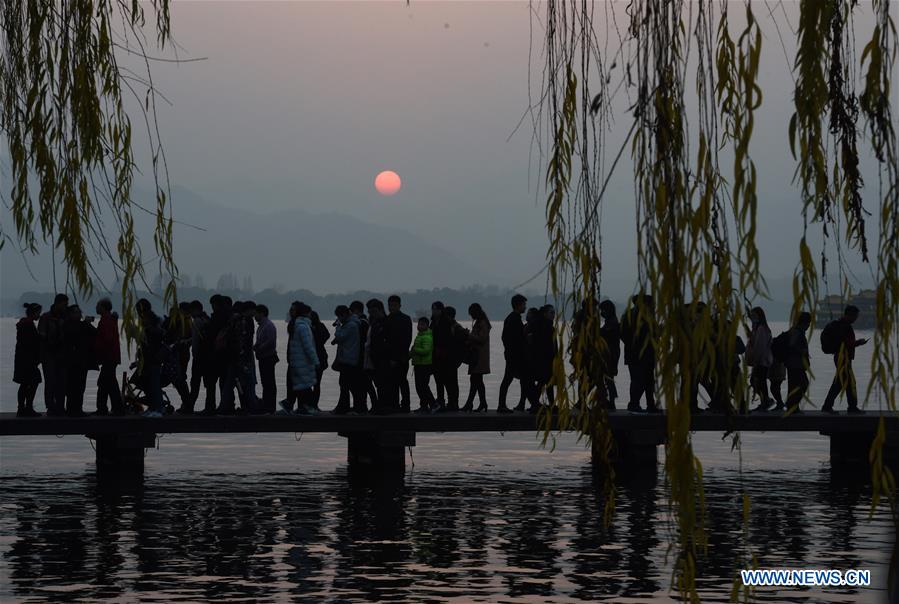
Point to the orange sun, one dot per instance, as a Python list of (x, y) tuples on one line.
[(388, 182)]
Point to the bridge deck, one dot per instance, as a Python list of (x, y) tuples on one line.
[(443, 422)]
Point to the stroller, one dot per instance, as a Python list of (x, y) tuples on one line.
[(134, 391)]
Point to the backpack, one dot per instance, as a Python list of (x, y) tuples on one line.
[(460, 352), (830, 337), (780, 346)]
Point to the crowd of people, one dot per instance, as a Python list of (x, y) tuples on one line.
[(234, 347)]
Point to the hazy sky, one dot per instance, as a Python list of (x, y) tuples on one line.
[(300, 104)]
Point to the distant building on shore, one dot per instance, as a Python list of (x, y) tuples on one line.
[(832, 307)]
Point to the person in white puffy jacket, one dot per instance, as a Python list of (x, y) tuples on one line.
[(759, 356), (301, 360)]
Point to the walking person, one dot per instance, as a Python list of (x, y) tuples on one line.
[(265, 349), (348, 361), (399, 337), (610, 353), (422, 355), (639, 353), (211, 355), (220, 332), (378, 350), (777, 374), (108, 354), (545, 350), (78, 337), (479, 360), (290, 397), (53, 364), (245, 369), (27, 358), (514, 351), (440, 337), (759, 356), (321, 334), (531, 319), (150, 356), (367, 375), (302, 360), (176, 353), (201, 351), (797, 361), (838, 339), (454, 342)]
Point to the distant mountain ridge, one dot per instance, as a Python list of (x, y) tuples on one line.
[(295, 249), (311, 251)]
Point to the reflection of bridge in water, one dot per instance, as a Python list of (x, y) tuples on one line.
[(380, 441)]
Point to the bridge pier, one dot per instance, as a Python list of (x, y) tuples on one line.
[(852, 448), (633, 451), (378, 451), (120, 457)]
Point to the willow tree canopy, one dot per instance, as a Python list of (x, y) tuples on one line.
[(693, 78), (69, 137)]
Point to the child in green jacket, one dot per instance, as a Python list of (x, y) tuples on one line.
[(422, 359)]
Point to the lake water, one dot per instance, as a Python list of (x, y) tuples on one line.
[(477, 517)]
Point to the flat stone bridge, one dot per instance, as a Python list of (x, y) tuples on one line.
[(379, 441)]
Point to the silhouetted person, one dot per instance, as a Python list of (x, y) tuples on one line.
[(266, 350), (217, 335), (610, 332), (844, 352), (367, 375), (456, 349), (290, 397), (777, 373), (302, 360), (399, 338), (531, 319), (348, 362), (50, 330), (479, 361), (514, 351), (544, 343), (797, 361), (230, 343), (246, 359), (176, 354), (639, 353), (441, 337), (722, 379), (759, 356), (27, 358), (79, 340), (108, 354), (150, 356), (201, 351), (183, 335), (422, 365), (693, 315), (379, 355), (321, 334)]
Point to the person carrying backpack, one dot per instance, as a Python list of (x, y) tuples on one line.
[(838, 339)]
